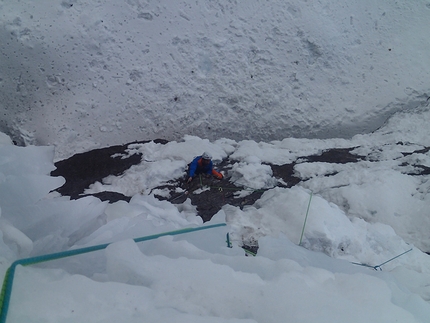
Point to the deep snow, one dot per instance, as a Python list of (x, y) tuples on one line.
[(381, 212), (81, 74)]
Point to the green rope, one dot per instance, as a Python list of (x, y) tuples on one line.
[(3, 289), (229, 245), (6, 290), (220, 188), (306, 217), (394, 258), (378, 267), (365, 265), (249, 252)]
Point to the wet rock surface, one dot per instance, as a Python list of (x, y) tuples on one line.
[(207, 194), (82, 170)]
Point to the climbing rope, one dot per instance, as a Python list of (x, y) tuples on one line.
[(378, 267), (221, 188), (306, 217), (229, 245), (6, 290)]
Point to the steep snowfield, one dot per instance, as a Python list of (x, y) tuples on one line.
[(318, 240), (80, 74)]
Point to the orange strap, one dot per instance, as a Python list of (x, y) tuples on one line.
[(216, 174)]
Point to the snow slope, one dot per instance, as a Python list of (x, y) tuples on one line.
[(80, 74), (361, 216)]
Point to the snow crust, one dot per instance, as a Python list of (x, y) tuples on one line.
[(369, 215), (80, 74), (256, 81)]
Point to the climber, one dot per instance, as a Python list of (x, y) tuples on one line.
[(202, 165)]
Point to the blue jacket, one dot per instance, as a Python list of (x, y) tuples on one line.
[(196, 167)]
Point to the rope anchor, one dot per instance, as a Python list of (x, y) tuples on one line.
[(378, 267)]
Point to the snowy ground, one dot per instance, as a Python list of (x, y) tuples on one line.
[(366, 212), (81, 74)]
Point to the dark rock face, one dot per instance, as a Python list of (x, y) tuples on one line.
[(82, 170), (335, 155), (216, 194), (223, 192)]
